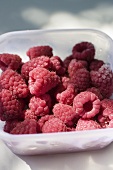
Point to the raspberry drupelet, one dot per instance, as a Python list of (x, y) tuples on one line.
[(64, 112), (86, 105), (103, 80), (42, 61), (42, 80), (14, 82), (53, 125), (37, 51), (10, 106), (11, 61), (85, 124), (84, 51)]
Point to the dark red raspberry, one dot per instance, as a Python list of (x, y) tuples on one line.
[(28, 126), (96, 64), (37, 51), (42, 80), (105, 117), (96, 91), (57, 65), (103, 80), (86, 104), (67, 96), (10, 107), (53, 125), (13, 81), (81, 79), (67, 61), (85, 124), (10, 124), (42, 61), (11, 61), (38, 106), (84, 51), (74, 65), (29, 114), (43, 119), (65, 113)]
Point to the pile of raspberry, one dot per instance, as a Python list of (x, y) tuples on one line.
[(47, 94)]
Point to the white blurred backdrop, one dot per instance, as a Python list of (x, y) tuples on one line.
[(49, 14)]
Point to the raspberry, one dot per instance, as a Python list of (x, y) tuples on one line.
[(57, 65), (42, 80), (81, 79), (10, 107), (38, 106), (67, 61), (96, 64), (47, 99), (10, 124), (11, 61), (84, 51), (65, 81), (86, 104), (103, 80), (84, 124), (37, 51), (43, 119), (67, 96), (42, 61), (65, 113), (105, 117), (74, 65), (53, 125), (29, 114), (28, 126), (107, 103), (96, 91), (13, 81)]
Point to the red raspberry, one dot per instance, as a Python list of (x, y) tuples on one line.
[(84, 124), (53, 125), (107, 103), (43, 119), (28, 126), (84, 51), (74, 65), (96, 91), (65, 113), (10, 124), (42, 61), (47, 99), (38, 106), (42, 80), (81, 79), (67, 61), (57, 65), (13, 81), (37, 51), (96, 64), (67, 96), (11, 61), (10, 107), (105, 117), (65, 81), (29, 114), (86, 104), (103, 80)]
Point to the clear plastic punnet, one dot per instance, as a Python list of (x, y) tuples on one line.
[(61, 41)]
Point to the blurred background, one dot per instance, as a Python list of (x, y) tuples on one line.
[(49, 14)]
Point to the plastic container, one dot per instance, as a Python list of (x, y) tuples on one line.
[(62, 42)]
